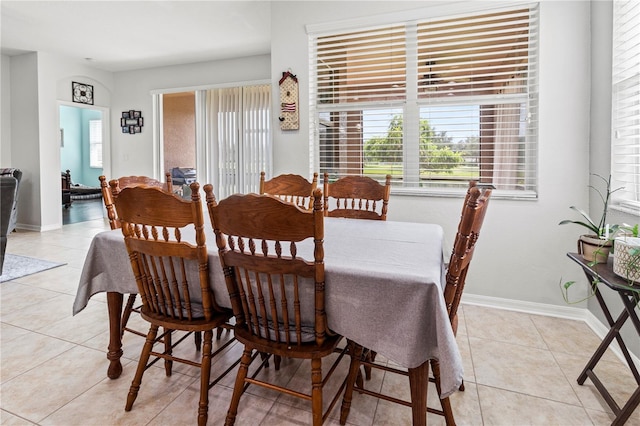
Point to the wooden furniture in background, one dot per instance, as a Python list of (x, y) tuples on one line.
[(270, 284), (109, 193), (603, 273), (472, 217), (151, 221), (291, 188), (356, 197), (126, 181), (8, 185), (66, 188), (17, 174)]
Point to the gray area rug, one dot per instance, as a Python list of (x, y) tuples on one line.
[(19, 266)]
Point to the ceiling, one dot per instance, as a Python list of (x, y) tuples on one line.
[(126, 35)]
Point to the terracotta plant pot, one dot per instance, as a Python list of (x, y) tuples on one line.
[(626, 264), (594, 249)]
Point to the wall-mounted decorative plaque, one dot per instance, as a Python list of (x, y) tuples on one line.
[(82, 93)]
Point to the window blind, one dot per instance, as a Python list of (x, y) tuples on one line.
[(625, 141), (240, 132), (433, 102)]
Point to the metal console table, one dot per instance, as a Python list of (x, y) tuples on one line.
[(604, 274)]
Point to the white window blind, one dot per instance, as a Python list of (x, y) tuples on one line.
[(625, 149), (95, 143), (433, 102), (240, 130)]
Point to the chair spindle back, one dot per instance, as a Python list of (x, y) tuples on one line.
[(356, 197), (112, 188), (291, 188), (269, 283), (152, 222)]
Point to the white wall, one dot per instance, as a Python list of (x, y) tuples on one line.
[(25, 134), (521, 254), (5, 111), (133, 154), (38, 82)]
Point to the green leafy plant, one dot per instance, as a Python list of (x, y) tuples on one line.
[(631, 231), (601, 231), (633, 264), (598, 229)]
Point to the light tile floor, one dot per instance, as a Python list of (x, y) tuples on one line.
[(520, 369)]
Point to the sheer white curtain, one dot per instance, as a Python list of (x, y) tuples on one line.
[(239, 135)]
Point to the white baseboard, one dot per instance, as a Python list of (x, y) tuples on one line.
[(35, 228), (567, 312)]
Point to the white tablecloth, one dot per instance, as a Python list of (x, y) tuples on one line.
[(383, 288)]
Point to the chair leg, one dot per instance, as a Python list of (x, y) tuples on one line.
[(418, 382), (142, 365), (445, 403), (371, 357), (168, 364), (355, 351), (126, 313), (219, 331), (238, 387), (197, 338), (205, 374), (277, 359), (316, 390)]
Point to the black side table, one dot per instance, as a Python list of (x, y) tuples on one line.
[(604, 274)]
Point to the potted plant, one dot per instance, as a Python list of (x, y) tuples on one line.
[(596, 245), (626, 257), (626, 263)]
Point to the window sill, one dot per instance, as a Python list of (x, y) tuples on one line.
[(627, 207), (460, 193)]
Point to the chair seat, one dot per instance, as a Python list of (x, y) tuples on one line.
[(196, 324), (305, 350)]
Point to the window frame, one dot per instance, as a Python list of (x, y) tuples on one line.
[(93, 163), (412, 105), (625, 113)]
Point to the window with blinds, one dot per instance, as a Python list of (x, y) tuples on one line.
[(433, 102), (625, 141), (95, 143)]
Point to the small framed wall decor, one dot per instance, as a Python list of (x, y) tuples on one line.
[(82, 93), (131, 122)]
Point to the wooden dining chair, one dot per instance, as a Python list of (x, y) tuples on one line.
[(172, 277), (110, 191), (276, 292), (356, 197), (291, 188), (471, 219)]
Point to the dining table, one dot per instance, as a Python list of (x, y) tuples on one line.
[(383, 289)]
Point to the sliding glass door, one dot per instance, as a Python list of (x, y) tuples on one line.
[(220, 136)]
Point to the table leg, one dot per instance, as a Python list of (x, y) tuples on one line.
[(613, 333), (418, 382), (114, 305), (628, 409)]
